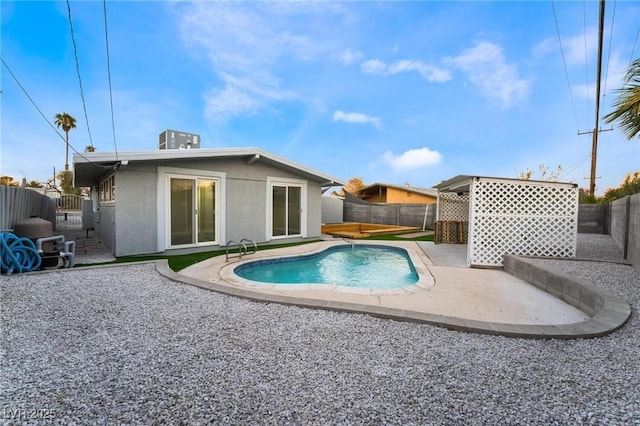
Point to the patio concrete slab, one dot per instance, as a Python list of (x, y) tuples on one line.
[(453, 255)]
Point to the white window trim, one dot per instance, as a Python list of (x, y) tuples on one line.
[(277, 181), (164, 241), (106, 190)]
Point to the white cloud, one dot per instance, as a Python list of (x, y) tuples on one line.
[(580, 47), (266, 91), (545, 46), (373, 66), (613, 80), (348, 56), (223, 104), (356, 117), (412, 159), (245, 45), (576, 49), (487, 69), (429, 72)]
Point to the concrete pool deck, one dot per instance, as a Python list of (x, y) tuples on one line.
[(452, 295)]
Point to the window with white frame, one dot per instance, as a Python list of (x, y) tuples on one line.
[(107, 189)]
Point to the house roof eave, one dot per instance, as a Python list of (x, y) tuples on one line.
[(91, 167)]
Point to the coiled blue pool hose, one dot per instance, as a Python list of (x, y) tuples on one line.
[(18, 254)]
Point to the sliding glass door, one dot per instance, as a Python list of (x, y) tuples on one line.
[(192, 212), (286, 210)]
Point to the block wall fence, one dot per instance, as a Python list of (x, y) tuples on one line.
[(620, 219)]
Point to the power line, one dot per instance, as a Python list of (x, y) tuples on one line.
[(564, 63), (106, 38), (635, 43), (32, 101), (606, 74), (586, 57), (574, 166), (75, 54), (78, 138), (42, 114)]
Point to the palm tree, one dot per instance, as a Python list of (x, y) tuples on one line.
[(67, 123), (627, 107), (89, 148)]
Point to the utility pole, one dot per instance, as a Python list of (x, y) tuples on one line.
[(594, 143), (596, 130)]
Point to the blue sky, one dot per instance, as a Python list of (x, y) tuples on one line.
[(390, 92)]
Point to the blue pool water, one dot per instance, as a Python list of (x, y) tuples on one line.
[(363, 266)]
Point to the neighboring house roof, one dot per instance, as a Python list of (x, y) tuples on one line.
[(353, 199), (373, 189), (461, 183), (89, 167)]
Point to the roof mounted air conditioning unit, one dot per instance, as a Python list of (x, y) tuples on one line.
[(174, 139)]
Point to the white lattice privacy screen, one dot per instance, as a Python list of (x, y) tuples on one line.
[(520, 217), (453, 206)]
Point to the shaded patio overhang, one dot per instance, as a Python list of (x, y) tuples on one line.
[(462, 183)]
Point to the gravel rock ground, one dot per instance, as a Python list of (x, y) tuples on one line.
[(124, 345)]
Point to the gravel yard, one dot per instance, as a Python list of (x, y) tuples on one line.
[(125, 345)]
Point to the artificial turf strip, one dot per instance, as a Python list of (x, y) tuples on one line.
[(178, 262)]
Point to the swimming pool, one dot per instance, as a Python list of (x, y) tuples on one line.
[(358, 266)]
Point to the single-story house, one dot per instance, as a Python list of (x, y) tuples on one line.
[(188, 200), (402, 194), (498, 216)]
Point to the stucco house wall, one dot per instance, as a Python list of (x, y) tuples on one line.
[(250, 208), (314, 210), (104, 218), (137, 222), (136, 210)]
